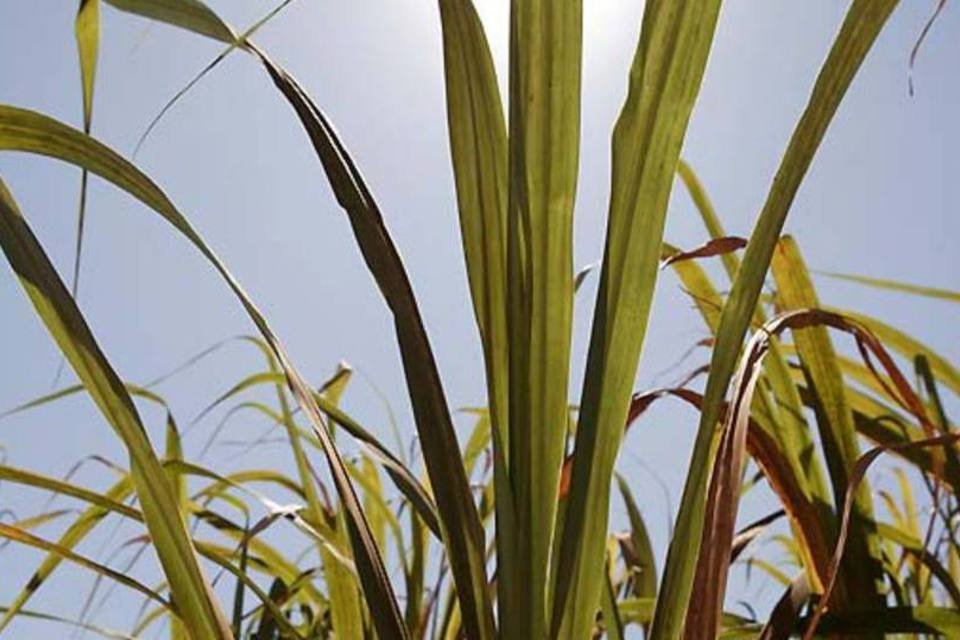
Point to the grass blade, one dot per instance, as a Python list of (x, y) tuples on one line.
[(545, 59), (26, 538), (859, 472), (640, 559), (346, 608), (863, 23), (893, 285), (191, 15), (863, 573), (24, 130), (668, 66), (87, 32), (78, 529), (460, 525), (779, 413), (98, 630), (56, 308), (909, 347), (478, 148), (174, 452)]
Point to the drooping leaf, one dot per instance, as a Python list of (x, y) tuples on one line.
[(862, 576), (778, 411), (859, 472), (460, 526), (195, 600), (909, 347), (723, 491), (24, 130)]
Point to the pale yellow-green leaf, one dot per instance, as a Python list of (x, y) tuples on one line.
[(665, 76)]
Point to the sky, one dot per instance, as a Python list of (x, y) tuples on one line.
[(879, 200)]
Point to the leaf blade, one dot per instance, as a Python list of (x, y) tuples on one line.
[(667, 69), (66, 325), (863, 22)]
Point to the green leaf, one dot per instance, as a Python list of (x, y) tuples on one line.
[(611, 615), (544, 125), (643, 562), (665, 78), (78, 529), (174, 451), (92, 628), (640, 559), (191, 15), (26, 538), (346, 609), (863, 23), (87, 33), (195, 600), (24, 130), (460, 524), (478, 149)]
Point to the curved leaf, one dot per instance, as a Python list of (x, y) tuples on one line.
[(24, 130), (864, 20)]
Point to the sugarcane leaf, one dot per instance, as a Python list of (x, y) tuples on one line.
[(26, 538), (895, 285), (864, 20), (544, 140), (24, 130), (459, 522), (665, 76), (478, 149), (92, 628), (778, 412), (87, 33), (862, 575), (57, 310), (909, 347), (191, 15)]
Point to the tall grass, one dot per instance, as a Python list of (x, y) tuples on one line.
[(784, 397)]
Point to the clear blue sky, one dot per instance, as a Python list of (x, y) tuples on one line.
[(880, 200)]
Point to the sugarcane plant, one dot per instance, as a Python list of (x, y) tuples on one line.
[(514, 525)]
